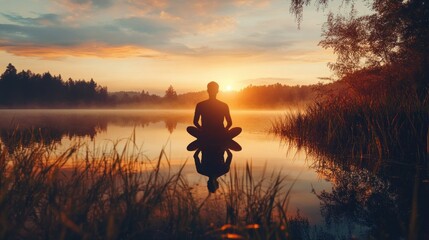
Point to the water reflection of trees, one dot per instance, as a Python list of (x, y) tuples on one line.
[(389, 199), (170, 124), (23, 128)]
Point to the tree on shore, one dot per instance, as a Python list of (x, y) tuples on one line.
[(170, 94), (394, 36), (390, 47), (28, 89)]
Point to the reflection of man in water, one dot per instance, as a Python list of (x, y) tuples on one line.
[(213, 138), (213, 165), (212, 113)]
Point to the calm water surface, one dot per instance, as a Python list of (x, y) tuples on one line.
[(166, 129), (155, 130)]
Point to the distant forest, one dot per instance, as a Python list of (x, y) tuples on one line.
[(28, 89)]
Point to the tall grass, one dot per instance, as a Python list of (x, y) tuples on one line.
[(349, 128), (82, 193), (375, 153)]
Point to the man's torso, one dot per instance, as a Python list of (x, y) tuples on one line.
[(212, 113)]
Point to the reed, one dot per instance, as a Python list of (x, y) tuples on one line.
[(84, 193), (361, 130)]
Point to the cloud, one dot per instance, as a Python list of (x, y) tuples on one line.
[(48, 32), (86, 4), (148, 5), (197, 28), (304, 54), (183, 9), (215, 25), (124, 34), (193, 17), (268, 81), (145, 25), (43, 19), (83, 50)]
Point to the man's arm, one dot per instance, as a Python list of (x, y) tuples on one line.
[(228, 158), (226, 165), (197, 160), (228, 118), (197, 116)]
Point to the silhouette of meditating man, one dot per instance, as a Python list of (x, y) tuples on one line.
[(213, 164), (212, 114), (213, 137)]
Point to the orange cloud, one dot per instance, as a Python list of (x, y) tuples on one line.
[(83, 50), (74, 7), (215, 25)]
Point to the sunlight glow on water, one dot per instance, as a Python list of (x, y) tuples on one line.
[(155, 130)]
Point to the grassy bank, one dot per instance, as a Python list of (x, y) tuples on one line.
[(372, 144), (120, 194), (349, 124)]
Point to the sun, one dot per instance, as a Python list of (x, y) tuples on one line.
[(228, 88)]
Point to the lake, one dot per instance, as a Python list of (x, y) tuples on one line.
[(154, 131)]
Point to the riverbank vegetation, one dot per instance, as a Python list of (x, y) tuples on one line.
[(370, 133), (381, 108), (82, 193), (366, 116)]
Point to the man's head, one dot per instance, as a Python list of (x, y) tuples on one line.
[(212, 184), (212, 89)]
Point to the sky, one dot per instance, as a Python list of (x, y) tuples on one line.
[(132, 45)]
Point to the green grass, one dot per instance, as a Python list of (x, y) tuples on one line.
[(120, 194)]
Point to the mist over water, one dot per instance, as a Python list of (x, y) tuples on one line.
[(315, 182), (155, 130)]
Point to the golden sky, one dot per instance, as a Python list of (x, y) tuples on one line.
[(136, 45)]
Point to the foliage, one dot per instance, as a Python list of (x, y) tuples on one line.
[(263, 96), (29, 89), (132, 98), (395, 34), (275, 95), (368, 135), (26, 89), (369, 130), (83, 194), (379, 107), (386, 201), (361, 118), (170, 93)]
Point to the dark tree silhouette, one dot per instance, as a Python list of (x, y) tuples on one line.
[(392, 40), (275, 95), (379, 198), (29, 89), (170, 93), (395, 34)]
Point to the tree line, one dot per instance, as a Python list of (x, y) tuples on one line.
[(28, 89), (263, 96), (275, 95)]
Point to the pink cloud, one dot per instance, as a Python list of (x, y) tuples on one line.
[(83, 50)]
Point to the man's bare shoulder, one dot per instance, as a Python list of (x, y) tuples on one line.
[(224, 105), (202, 103), (211, 103)]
